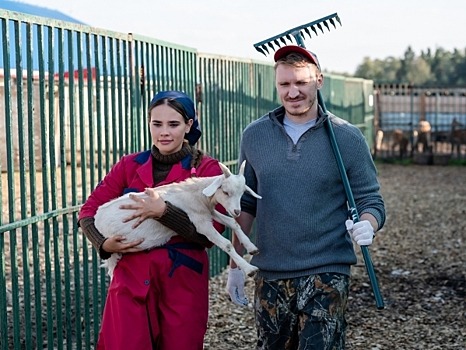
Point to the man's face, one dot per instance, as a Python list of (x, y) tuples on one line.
[(297, 88)]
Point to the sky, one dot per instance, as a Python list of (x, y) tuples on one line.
[(374, 29)]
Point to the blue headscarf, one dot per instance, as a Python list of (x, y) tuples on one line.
[(188, 106)]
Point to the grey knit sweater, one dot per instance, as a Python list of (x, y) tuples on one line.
[(300, 220)]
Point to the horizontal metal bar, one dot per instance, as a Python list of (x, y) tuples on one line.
[(38, 218), (56, 23)]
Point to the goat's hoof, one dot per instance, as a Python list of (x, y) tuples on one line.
[(252, 271), (254, 252)]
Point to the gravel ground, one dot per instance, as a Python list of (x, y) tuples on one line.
[(420, 261)]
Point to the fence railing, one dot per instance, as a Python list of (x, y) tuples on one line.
[(73, 101)]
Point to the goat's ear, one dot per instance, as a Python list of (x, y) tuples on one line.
[(210, 190), (241, 168), (225, 169), (250, 191)]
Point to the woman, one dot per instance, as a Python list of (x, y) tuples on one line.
[(157, 299)]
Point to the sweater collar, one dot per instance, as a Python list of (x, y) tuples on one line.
[(184, 155), (278, 114)]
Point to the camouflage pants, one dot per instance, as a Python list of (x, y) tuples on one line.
[(301, 313)]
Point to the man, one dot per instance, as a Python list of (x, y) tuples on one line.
[(305, 251)]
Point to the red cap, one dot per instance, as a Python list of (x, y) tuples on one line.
[(285, 50)]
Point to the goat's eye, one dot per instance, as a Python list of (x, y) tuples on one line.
[(225, 193)]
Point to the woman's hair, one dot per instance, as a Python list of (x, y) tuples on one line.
[(197, 155), (177, 106)]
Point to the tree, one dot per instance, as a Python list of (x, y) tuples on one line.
[(379, 70), (418, 72), (440, 68), (459, 63)]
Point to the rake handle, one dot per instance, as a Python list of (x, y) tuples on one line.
[(354, 213)]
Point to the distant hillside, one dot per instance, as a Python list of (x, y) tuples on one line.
[(36, 11)]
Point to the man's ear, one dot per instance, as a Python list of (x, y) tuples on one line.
[(320, 80)]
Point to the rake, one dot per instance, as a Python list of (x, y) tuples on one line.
[(298, 34)]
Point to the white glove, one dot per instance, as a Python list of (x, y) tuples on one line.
[(235, 287), (362, 232)]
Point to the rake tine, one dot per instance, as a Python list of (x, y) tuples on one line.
[(277, 43), (308, 32), (326, 25), (333, 23), (261, 51), (283, 40), (320, 27), (314, 30), (302, 36), (271, 46), (265, 48), (289, 38), (338, 19)]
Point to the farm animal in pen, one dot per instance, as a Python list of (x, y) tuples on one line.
[(400, 141), (457, 136), (378, 141), (423, 137), (198, 197)]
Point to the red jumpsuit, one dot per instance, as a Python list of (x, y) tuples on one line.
[(157, 299)]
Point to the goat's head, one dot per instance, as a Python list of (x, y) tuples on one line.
[(228, 188)]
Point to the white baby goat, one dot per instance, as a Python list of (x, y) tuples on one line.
[(198, 197)]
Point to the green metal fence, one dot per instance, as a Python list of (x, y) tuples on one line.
[(351, 99), (74, 100)]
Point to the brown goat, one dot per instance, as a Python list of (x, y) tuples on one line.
[(400, 140), (457, 136)]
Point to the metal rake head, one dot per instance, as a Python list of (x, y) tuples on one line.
[(297, 34)]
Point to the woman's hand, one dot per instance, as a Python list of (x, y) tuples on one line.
[(118, 244), (153, 206)]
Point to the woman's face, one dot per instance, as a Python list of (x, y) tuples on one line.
[(168, 128)]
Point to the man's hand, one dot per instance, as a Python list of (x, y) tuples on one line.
[(362, 232), (153, 206), (235, 287), (118, 244)]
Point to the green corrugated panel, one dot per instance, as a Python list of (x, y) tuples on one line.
[(334, 96), (351, 99)]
